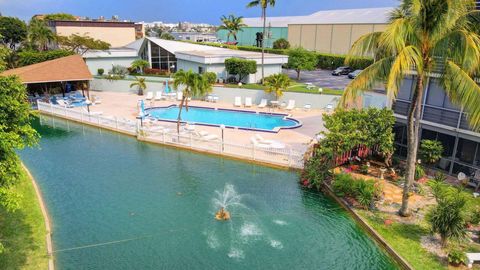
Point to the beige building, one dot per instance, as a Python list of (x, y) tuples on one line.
[(335, 31), (116, 33)]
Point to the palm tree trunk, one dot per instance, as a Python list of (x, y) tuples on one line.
[(413, 128), (179, 118), (264, 15)]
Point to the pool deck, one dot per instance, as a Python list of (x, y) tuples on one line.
[(124, 105)]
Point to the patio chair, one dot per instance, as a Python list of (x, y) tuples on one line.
[(329, 107), (63, 103), (474, 181), (271, 143), (238, 102), (291, 105), (263, 103), (189, 127), (215, 99), (307, 107), (207, 136), (158, 95), (248, 102), (149, 96), (471, 258)]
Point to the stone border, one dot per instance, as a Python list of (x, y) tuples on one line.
[(51, 265), (376, 236)]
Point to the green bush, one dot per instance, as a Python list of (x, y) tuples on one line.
[(240, 67), (257, 49), (456, 257), (343, 185), (316, 171), (118, 70), (364, 191), (431, 151), (211, 77), (332, 61), (364, 169), (26, 58), (281, 43), (100, 71), (419, 172)]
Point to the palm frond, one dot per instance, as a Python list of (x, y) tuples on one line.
[(462, 47), (366, 45), (407, 59), (463, 91)]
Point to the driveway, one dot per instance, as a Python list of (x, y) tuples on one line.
[(320, 78)]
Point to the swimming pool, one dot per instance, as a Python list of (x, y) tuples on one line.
[(270, 122)]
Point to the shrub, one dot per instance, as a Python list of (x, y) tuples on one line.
[(332, 61), (315, 172), (419, 172), (118, 70), (431, 151), (301, 59), (474, 216), (26, 58), (240, 67), (343, 185), (100, 71), (365, 192), (281, 43), (156, 71), (456, 257), (211, 77), (364, 169)]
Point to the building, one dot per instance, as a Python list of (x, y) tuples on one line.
[(195, 36), (171, 56), (327, 31), (116, 33)]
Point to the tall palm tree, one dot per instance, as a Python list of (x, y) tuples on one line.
[(277, 83), (39, 34), (140, 83), (194, 85), (425, 38), (263, 5), (232, 24)]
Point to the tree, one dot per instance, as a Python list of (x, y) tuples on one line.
[(300, 59), (12, 31), (281, 44), (426, 37), (140, 83), (4, 55), (263, 5), (194, 85), (167, 36), (26, 58), (448, 217), (59, 17), (232, 24), (81, 44), (277, 83), (39, 34), (240, 67), (15, 133), (139, 64)]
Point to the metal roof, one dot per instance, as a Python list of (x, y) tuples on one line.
[(341, 16)]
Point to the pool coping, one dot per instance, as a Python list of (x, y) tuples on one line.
[(275, 130), (43, 208), (370, 230)]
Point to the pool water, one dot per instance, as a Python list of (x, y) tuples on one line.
[(116, 203), (229, 118)]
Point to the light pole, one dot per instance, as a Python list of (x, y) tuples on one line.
[(222, 127)]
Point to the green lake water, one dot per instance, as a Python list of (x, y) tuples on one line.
[(116, 203)]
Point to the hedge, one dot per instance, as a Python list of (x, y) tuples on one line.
[(26, 58)]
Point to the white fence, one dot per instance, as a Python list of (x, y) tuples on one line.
[(283, 157)]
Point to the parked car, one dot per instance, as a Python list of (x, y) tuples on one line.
[(342, 71), (353, 75)]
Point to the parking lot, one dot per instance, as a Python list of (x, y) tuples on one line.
[(320, 78)]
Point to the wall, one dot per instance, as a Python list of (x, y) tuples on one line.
[(116, 36), (106, 63), (123, 86), (248, 36), (329, 38)]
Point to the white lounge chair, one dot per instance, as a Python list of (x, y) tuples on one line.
[(189, 127), (158, 95), (248, 102), (238, 102), (149, 96), (307, 107), (329, 107), (207, 136), (263, 103), (270, 143), (472, 257), (63, 103), (291, 105), (256, 143)]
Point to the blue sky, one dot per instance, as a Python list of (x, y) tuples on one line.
[(175, 10)]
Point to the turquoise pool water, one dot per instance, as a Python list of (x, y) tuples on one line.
[(229, 118), (116, 203)]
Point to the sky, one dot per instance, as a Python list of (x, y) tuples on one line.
[(207, 11)]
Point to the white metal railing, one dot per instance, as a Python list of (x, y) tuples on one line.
[(284, 157)]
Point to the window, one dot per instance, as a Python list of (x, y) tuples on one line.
[(201, 70), (447, 141), (405, 91), (466, 150)]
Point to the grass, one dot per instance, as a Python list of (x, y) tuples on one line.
[(296, 87), (405, 239), (23, 232)]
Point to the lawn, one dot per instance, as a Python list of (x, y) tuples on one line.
[(404, 239), (296, 87), (23, 232)]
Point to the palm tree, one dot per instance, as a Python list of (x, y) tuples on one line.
[(139, 64), (232, 24), (424, 38), (277, 83), (263, 5), (194, 85), (140, 83), (39, 34)]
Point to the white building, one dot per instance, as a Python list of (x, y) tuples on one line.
[(174, 55)]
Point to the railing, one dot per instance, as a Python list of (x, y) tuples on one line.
[(284, 157)]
